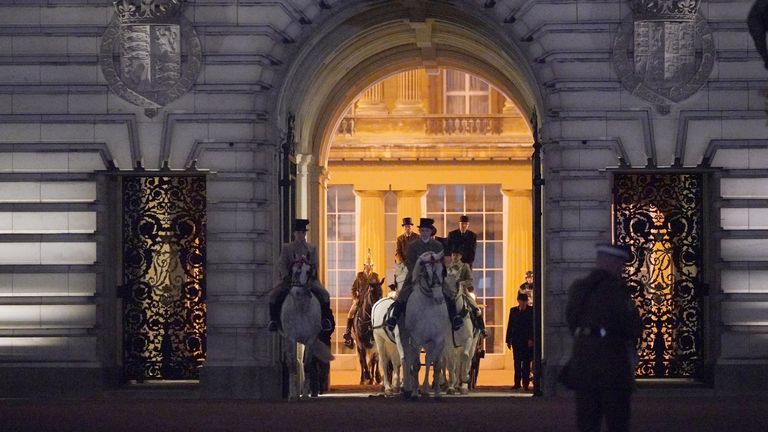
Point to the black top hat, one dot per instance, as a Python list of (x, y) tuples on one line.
[(464, 218), (301, 225), (426, 223), (406, 221)]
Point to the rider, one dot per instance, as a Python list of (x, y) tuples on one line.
[(463, 275), (424, 244), (291, 252), (366, 278)]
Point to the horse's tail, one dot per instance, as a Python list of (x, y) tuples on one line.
[(321, 351)]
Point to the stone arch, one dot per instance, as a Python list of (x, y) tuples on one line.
[(364, 43)]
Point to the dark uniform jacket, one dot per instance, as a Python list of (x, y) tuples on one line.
[(520, 327), (466, 243), (600, 305), (403, 240), (362, 282)]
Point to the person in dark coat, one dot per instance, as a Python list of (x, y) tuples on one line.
[(757, 22), (606, 326), (404, 239), (464, 240), (425, 243), (520, 340)]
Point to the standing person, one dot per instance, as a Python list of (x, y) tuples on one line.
[(425, 243), (297, 249), (463, 239), (606, 325), (365, 280), (520, 340), (404, 239), (527, 287)]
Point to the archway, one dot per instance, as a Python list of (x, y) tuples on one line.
[(367, 44)]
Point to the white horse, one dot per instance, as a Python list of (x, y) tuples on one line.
[(301, 322), (388, 345), (426, 324), (460, 349)]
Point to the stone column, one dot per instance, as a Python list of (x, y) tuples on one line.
[(371, 230), (408, 96), (371, 102), (409, 205), (303, 186)]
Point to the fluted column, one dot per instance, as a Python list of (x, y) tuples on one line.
[(371, 102), (371, 230), (408, 93), (409, 205), (519, 241)]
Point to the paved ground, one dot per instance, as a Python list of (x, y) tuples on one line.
[(342, 414)]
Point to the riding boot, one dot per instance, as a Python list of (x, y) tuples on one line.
[(348, 342), (480, 323), (326, 314), (397, 309), (274, 316), (456, 321)]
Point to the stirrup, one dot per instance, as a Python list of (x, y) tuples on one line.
[(272, 326)]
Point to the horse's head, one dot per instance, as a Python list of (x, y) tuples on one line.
[(428, 272), (301, 272)]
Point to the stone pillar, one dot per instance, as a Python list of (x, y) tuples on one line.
[(372, 230), (371, 102), (303, 187), (519, 240), (408, 94), (409, 205)]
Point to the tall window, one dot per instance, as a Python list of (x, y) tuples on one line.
[(484, 206), (391, 232), (341, 241), (465, 93)]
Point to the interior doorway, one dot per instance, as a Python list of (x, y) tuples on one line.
[(437, 144)]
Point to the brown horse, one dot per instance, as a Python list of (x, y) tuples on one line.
[(362, 333)]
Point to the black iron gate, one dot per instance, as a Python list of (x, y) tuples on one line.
[(164, 310), (660, 217)]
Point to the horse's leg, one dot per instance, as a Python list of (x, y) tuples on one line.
[(375, 366), (290, 355), (363, 364)]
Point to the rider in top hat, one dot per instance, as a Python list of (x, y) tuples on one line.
[(288, 255), (424, 244), (463, 275), (463, 239), (404, 239), (365, 280)]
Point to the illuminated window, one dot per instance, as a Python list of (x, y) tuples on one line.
[(391, 231), (341, 257), (484, 206), (465, 94)]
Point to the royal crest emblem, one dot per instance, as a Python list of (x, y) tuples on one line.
[(150, 53), (665, 52)]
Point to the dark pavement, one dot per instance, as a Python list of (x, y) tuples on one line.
[(342, 414)]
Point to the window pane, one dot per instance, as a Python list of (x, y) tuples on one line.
[(477, 279), (332, 262), (494, 255), (479, 255), (493, 198), (492, 312), (494, 283), (332, 199), (454, 80), (346, 198), (474, 198), (332, 227), (455, 105), (347, 256), (454, 198), (435, 196), (478, 104), (495, 342), (476, 225), (345, 288), (346, 228), (494, 226), (476, 84)]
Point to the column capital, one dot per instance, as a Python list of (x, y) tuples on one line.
[(370, 193), (517, 193)]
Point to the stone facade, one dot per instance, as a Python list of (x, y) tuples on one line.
[(61, 127)]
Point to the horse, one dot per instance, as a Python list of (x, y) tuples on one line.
[(426, 324), (362, 333), (460, 349), (388, 345), (301, 324)]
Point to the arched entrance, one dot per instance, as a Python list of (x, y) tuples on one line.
[(333, 69)]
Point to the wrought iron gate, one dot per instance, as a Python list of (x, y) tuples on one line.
[(164, 310), (660, 217)]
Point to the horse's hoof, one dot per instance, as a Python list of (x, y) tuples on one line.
[(450, 391), (464, 391), (407, 395)]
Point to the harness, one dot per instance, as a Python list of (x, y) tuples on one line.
[(383, 324)]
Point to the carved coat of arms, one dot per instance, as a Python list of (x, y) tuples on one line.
[(665, 52), (150, 54)]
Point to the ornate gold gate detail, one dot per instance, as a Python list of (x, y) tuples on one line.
[(659, 216), (164, 277)]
